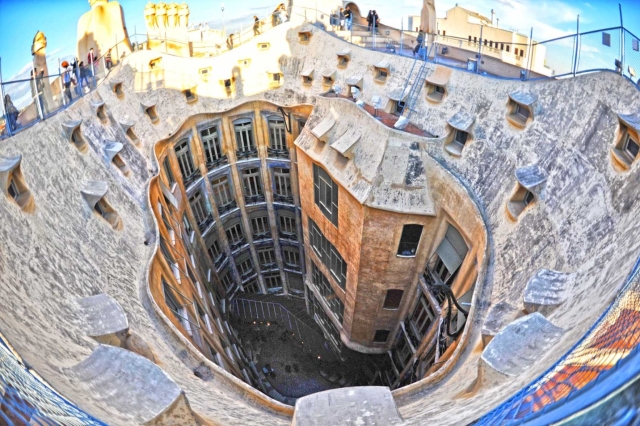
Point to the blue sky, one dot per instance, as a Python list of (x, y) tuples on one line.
[(21, 19)]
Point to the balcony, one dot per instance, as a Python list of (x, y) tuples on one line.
[(272, 266), (262, 236), (236, 245), (243, 155), (277, 153), (292, 267), (192, 178), (217, 162), (285, 199), (288, 236), (254, 199), (206, 222), (227, 207)]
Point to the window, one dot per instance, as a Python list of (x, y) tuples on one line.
[(521, 53), (245, 265), (273, 282), (328, 254), (382, 74), (78, 140), (630, 147), (606, 39), (508, 47), (461, 137), (277, 138), (421, 318), (409, 240), (475, 40), (215, 253), (222, 195), (343, 60), (282, 185), (235, 235), (171, 300), (635, 44), (381, 336), (522, 111), (190, 95), (227, 280), (151, 113), (325, 194), (187, 168), (323, 286), (528, 198), (245, 141), (399, 108), (187, 226), (107, 212), (307, 79), (275, 77), (200, 213), (14, 192), (469, 39), (252, 186), (288, 226), (402, 353), (392, 299), (251, 287), (267, 258), (212, 147), (291, 257), (448, 257), (501, 46), (260, 227), (515, 51), (168, 172)]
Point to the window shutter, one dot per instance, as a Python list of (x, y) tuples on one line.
[(334, 203), (316, 185), (452, 250)]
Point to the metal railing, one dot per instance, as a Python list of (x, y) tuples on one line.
[(613, 49)]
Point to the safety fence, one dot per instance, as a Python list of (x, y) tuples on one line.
[(26, 400), (520, 57)]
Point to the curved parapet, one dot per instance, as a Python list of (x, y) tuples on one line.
[(134, 386), (103, 319)]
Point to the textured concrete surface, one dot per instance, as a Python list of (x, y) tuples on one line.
[(519, 345), (370, 405), (546, 290), (102, 316), (128, 382)]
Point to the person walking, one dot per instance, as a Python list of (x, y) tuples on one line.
[(369, 20), (76, 73), (230, 42), (12, 113), (419, 42), (348, 16), (107, 60), (84, 80), (375, 20), (67, 78), (341, 17), (92, 66), (256, 26)]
